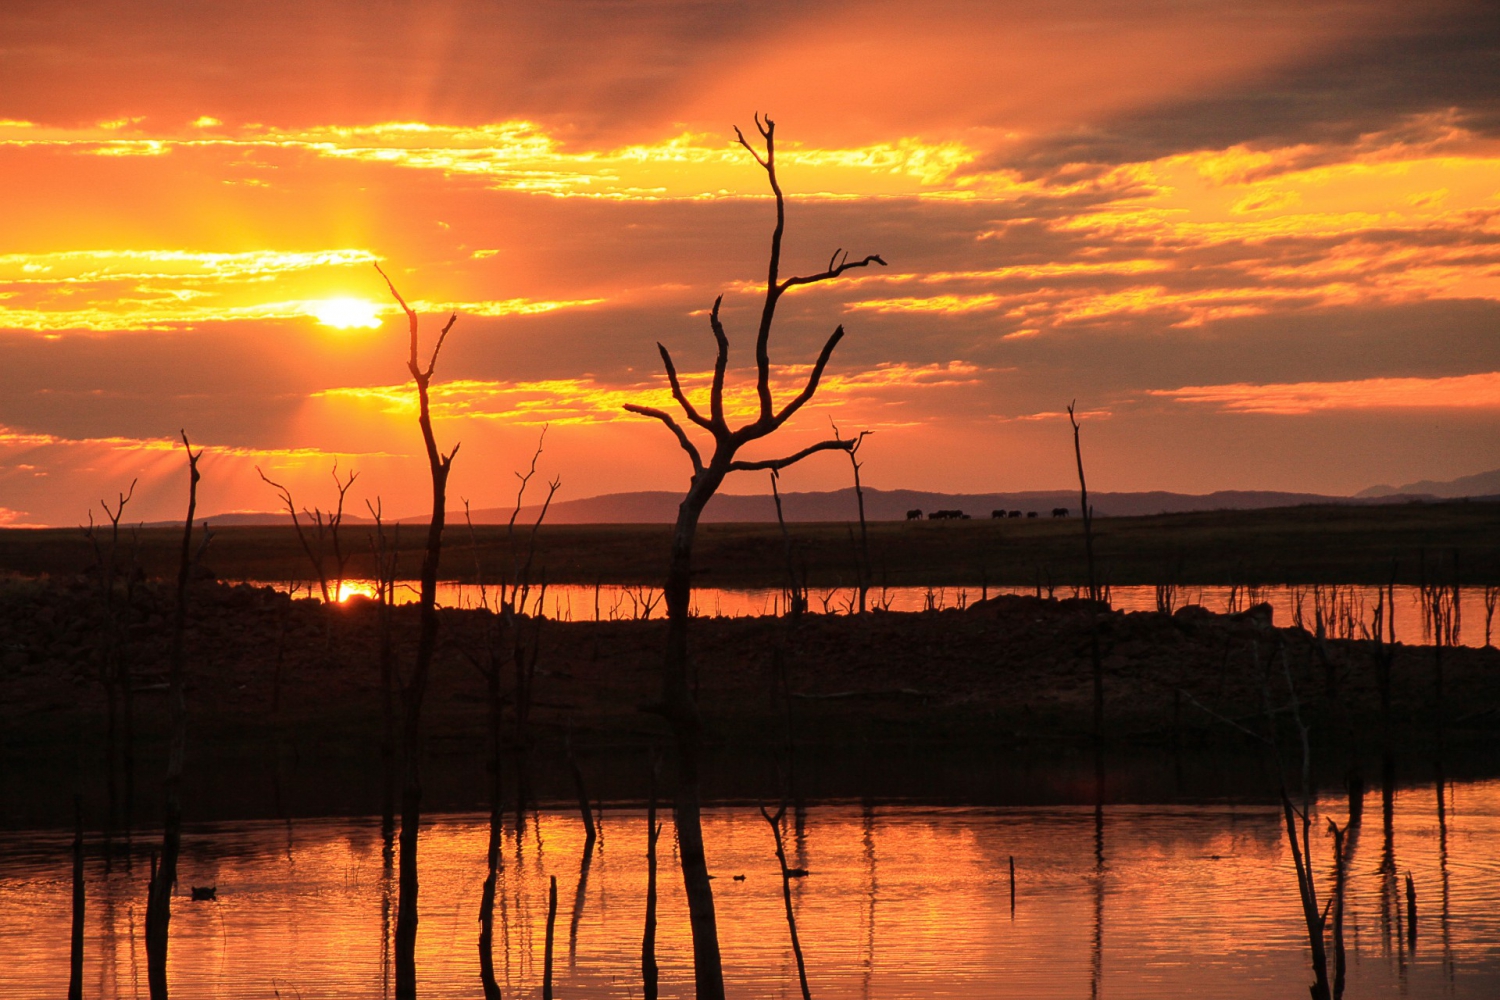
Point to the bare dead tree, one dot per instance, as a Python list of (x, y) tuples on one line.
[(164, 874), (325, 531), (678, 703), (114, 663), (415, 688), (1088, 547), (524, 630), (796, 590), (1316, 919), (1084, 508), (786, 893), (859, 496)]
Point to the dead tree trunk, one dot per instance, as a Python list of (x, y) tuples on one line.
[(75, 964), (164, 877), (1340, 878), (786, 894), (1088, 548), (864, 533), (585, 808), (416, 686), (678, 704), (551, 936), (386, 555), (796, 593), (649, 971)]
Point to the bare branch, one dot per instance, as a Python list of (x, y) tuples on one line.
[(1259, 737), (674, 427), (782, 463), (411, 320), (678, 394), (316, 558), (442, 336), (773, 270), (721, 364), (115, 515), (833, 270), (741, 137), (812, 381)]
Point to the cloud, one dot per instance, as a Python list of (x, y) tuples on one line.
[(119, 290), (523, 156), (1397, 64), (1464, 392)]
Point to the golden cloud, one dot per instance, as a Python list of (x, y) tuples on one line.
[(590, 401), (522, 156), (1478, 391)]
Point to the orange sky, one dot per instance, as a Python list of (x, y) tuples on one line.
[(1259, 242)]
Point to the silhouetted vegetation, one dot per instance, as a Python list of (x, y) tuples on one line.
[(1293, 545)]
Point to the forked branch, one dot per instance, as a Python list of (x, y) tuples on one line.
[(674, 427), (777, 464), (775, 287), (678, 394), (812, 380)]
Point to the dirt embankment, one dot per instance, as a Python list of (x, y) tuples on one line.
[(1009, 671)]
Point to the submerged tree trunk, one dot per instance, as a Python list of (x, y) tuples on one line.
[(649, 972), (681, 710), (678, 705), (497, 823), (786, 894), (75, 965), (416, 687), (164, 875), (551, 937)]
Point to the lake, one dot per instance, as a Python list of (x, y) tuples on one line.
[(902, 900), (1346, 609)]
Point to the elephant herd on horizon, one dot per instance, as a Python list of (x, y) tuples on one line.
[(916, 514)]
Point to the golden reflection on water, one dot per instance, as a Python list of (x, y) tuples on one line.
[(1152, 901)]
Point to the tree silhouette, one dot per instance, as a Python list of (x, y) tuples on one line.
[(415, 688), (678, 704)]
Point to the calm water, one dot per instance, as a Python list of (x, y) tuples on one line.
[(1347, 610), (901, 902)]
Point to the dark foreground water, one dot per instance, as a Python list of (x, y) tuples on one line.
[(902, 901)]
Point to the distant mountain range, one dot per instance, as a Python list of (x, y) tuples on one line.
[(1480, 484), (660, 506), (893, 505)]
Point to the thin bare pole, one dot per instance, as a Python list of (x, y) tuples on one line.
[(649, 970), (551, 934), (75, 965), (1088, 547)]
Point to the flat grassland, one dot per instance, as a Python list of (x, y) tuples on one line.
[(1440, 542)]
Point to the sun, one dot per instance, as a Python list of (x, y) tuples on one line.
[(345, 313)]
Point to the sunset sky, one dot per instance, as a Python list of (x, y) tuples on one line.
[(1258, 241)]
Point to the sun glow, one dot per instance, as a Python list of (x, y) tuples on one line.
[(346, 313), (351, 589)]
